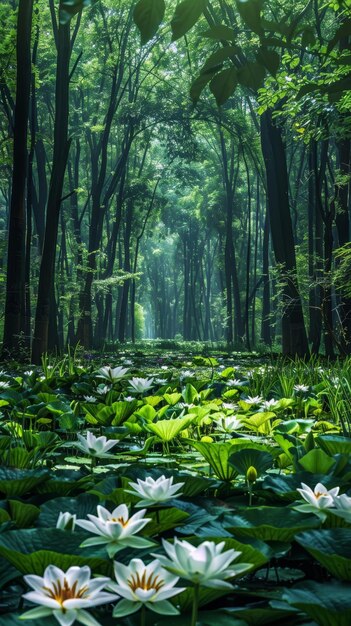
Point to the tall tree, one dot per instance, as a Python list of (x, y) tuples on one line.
[(15, 286)]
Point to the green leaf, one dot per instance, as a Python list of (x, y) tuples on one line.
[(122, 411), (271, 523), (32, 550), (269, 59), (327, 603), (218, 57), (148, 15), (334, 444), (69, 8), (81, 506), (331, 547), (189, 394), (16, 482), (169, 429), (186, 15), (261, 616), (251, 75), (250, 12), (163, 520), (223, 84), (23, 514), (317, 462), (198, 85), (244, 459), (193, 485), (15, 619), (308, 36), (217, 455), (343, 31), (219, 32), (172, 398)]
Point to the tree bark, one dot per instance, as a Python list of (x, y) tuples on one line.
[(294, 338), (60, 156), (15, 286)]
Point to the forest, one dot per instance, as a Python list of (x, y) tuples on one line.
[(191, 183), (175, 312)]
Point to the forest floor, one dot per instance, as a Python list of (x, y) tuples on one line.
[(204, 489)]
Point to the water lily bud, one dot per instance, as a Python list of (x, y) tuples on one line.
[(251, 474), (66, 521), (206, 439)]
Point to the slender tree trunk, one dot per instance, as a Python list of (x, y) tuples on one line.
[(266, 334), (60, 156), (294, 338), (15, 286), (342, 220), (315, 253)]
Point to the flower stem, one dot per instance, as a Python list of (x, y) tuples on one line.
[(195, 604), (143, 616), (250, 493)]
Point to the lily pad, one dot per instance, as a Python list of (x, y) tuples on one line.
[(331, 547)]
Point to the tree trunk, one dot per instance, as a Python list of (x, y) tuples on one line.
[(15, 286), (60, 156), (294, 338), (266, 334)]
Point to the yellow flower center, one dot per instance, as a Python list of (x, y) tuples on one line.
[(142, 582), (121, 520), (318, 494), (61, 593)]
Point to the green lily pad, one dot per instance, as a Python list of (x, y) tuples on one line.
[(328, 604), (271, 523), (16, 482), (334, 444), (31, 550), (331, 547)]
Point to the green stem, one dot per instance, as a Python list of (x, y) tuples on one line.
[(250, 493), (143, 616), (195, 604), (93, 463)]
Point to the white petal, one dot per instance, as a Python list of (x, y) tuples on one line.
[(40, 598), (65, 618)]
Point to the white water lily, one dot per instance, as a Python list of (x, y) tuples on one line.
[(89, 399), (4, 385), (253, 400), (115, 529), (230, 423), (102, 389), (111, 373), (319, 497), (154, 491), (230, 405), (206, 565), (66, 521), (186, 374), (144, 585), (66, 595), (269, 404), (139, 385), (301, 388), (342, 502), (95, 446), (235, 382)]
